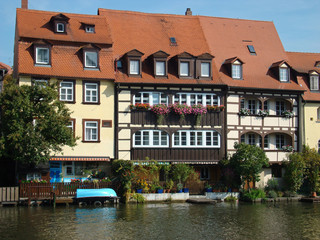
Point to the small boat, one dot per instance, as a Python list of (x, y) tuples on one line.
[(95, 196)]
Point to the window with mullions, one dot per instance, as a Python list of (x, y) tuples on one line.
[(280, 107), (266, 142), (251, 139), (42, 55), (236, 71), (284, 74), (314, 82), (152, 98), (195, 138), (151, 138), (91, 92), (91, 59), (91, 131), (196, 98), (280, 141), (66, 91)]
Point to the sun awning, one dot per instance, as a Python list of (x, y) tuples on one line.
[(83, 159)]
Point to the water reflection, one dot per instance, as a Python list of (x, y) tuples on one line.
[(163, 221)]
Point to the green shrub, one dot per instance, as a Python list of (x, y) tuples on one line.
[(272, 185), (272, 194), (138, 197), (230, 199), (254, 194)]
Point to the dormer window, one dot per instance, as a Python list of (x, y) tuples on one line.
[(203, 66), (91, 59), (60, 27), (185, 69), (160, 68), (42, 55), (185, 65), (160, 64), (314, 81), (284, 73), (236, 70), (89, 28), (133, 60), (59, 23), (135, 67)]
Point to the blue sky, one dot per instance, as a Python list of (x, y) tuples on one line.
[(296, 20)]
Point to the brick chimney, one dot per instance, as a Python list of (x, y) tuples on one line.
[(188, 12), (24, 4)]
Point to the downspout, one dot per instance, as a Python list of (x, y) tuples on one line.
[(116, 121), (301, 114)]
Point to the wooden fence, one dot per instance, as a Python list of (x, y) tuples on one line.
[(9, 194), (47, 190)]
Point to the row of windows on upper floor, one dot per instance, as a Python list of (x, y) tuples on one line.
[(188, 65), (279, 141)]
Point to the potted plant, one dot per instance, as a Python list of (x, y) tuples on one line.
[(169, 185), (263, 113), (288, 113), (208, 187), (244, 112), (161, 110), (179, 187)]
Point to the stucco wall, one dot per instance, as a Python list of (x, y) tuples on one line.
[(312, 125)]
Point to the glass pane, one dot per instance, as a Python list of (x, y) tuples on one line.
[(205, 69), (160, 68), (236, 71), (156, 98), (91, 86), (208, 139), (137, 138), (176, 139), (42, 55), (91, 124), (91, 59), (183, 138), (156, 138), (145, 138), (192, 138), (184, 68), (199, 138), (134, 67), (215, 139), (164, 139)]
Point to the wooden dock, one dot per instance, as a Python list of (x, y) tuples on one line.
[(9, 196), (310, 199)]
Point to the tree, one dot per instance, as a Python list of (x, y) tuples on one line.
[(248, 162), (312, 171), (294, 172), (33, 123)]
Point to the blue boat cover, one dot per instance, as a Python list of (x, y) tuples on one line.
[(102, 192)]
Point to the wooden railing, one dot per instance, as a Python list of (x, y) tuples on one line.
[(9, 194), (47, 190)]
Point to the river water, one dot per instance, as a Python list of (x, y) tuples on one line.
[(163, 221)]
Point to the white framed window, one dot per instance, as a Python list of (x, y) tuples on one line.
[(91, 91), (152, 98), (42, 55), (196, 139), (150, 138), (66, 91), (196, 98), (89, 29), (91, 131), (71, 125), (60, 27), (91, 59), (184, 69), (33, 176), (205, 69), (280, 141), (251, 139), (314, 82), (160, 68), (135, 67), (284, 74), (280, 107), (236, 71)]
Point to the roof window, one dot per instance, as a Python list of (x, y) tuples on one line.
[(251, 50), (90, 28), (173, 41)]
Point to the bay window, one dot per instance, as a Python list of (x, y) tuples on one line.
[(150, 138), (196, 98), (196, 138)]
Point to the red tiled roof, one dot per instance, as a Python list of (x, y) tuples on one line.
[(150, 33), (36, 24), (304, 63), (5, 66), (66, 54), (228, 38)]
